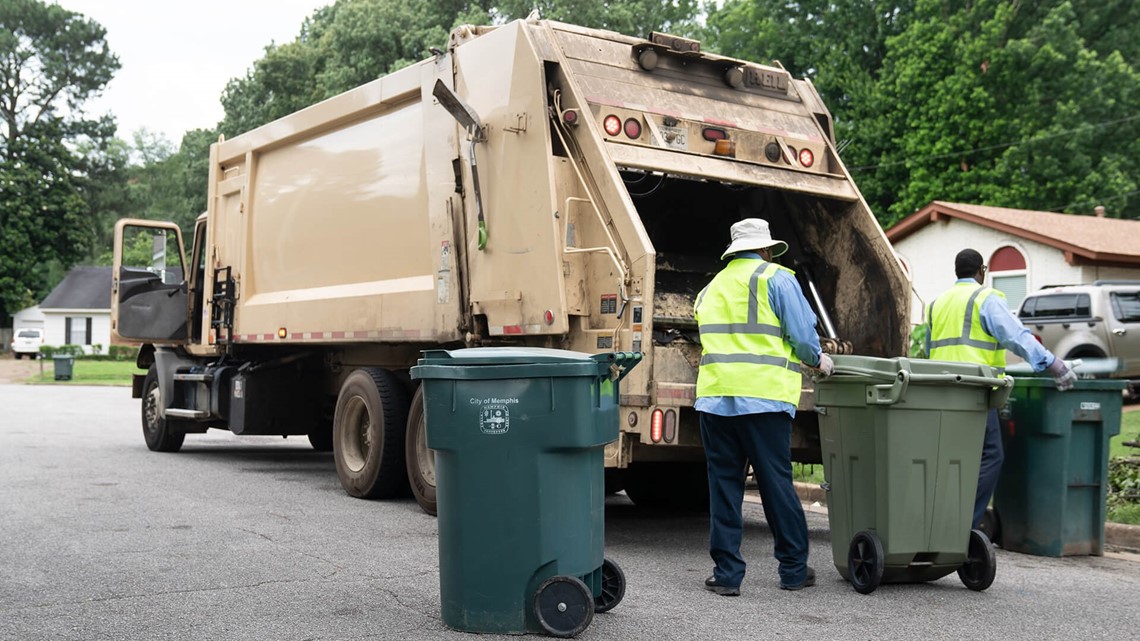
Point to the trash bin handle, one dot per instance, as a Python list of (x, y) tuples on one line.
[(620, 363), (895, 390)]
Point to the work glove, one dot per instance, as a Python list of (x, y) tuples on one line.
[(1062, 375), (826, 365)]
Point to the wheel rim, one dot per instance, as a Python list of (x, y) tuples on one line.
[(356, 440), (150, 408), (564, 606), (863, 562), (613, 587), (425, 457)]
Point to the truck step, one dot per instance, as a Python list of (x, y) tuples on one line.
[(194, 378), (186, 414)]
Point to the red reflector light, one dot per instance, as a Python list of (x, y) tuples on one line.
[(612, 125), (1038, 339), (633, 128), (656, 426), (570, 116), (713, 134), (670, 432), (548, 316), (806, 157)]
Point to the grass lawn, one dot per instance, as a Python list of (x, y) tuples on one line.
[(1129, 431), (87, 372)]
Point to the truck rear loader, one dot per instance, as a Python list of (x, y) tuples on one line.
[(537, 184)]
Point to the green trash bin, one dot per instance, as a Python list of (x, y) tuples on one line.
[(519, 437), (1051, 491), (902, 444), (62, 365)]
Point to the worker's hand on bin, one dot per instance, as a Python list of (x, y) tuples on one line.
[(826, 365), (1062, 375)]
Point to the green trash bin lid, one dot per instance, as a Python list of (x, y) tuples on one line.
[(518, 362)]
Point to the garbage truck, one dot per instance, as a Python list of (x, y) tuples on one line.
[(536, 184)]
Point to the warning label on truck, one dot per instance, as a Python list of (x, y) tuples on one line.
[(609, 304)]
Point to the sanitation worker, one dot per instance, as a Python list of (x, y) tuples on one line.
[(756, 329), (970, 323)]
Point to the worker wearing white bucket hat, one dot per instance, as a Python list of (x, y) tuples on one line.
[(756, 329)]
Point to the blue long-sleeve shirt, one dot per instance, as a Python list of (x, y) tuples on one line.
[(1009, 332), (797, 320)]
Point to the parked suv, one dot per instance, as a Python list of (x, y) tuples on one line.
[(27, 342), (1101, 320)]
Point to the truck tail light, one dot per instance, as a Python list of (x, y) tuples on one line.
[(612, 125), (633, 128), (657, 426), (807, 158), (670, 431), (1038, 337), (713, 134)]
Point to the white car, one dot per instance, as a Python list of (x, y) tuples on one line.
[(27, 342)]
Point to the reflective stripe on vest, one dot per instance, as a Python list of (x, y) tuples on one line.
[(743, 349), (954, 321)]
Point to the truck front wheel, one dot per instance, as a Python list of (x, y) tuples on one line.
[(421, 460), (161, 434), (368, 434)]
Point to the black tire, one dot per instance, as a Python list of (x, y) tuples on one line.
[(980, 569), (420, 459), (368, 434), (18, 355), (682, 487), (865, 561), (614, 480), (563, 606), (613, 587), (991, 525), (161, 434)]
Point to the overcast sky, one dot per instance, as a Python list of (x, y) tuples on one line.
[(177, 56)]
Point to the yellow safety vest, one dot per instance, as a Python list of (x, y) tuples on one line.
[(954, 322), (743, 351)]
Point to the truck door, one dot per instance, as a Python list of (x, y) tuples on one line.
[(149, 300)]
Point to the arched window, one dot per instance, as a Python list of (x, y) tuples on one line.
[(1008, 274)]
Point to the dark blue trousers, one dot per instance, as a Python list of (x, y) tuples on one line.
[(765, 440), (992, 457)]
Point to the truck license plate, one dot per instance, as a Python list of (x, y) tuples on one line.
[(675, 137)]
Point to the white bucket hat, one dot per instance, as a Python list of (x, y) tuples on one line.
[(752, 234)]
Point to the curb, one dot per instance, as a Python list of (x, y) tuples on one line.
[(1117, 536)]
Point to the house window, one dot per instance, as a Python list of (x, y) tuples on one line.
[(77, 330), (1008, 274)]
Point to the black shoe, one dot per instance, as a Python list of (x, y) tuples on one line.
[(807, 582), (724, 590)]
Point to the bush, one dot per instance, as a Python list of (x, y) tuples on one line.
[(48, 351), (1123, 482), (123, 353), (918, 342)]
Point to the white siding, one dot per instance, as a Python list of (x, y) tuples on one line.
[(930, 252), (30, 317), (55, 327)]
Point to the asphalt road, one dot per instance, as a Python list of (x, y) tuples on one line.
[(254, 539)]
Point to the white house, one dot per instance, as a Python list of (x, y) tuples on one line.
[(1024, 250), (78, 310)]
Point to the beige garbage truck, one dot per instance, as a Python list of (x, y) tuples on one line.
[(537, 184)]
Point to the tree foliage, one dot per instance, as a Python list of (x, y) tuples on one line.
[(52, 62)]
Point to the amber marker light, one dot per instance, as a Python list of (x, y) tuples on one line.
[(282, 332), (656, 426), (725, 148)]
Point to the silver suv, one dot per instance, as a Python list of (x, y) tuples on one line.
[(1101, 320)]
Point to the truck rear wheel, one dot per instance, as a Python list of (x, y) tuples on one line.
[(368, 434), (161, 434), (421, 460)]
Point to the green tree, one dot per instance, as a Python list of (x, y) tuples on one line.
[(52, 62), (1000, 104)]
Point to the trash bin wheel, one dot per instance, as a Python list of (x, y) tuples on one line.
[(564, 606), (865, 561), (613, 587), (991, 525), (980, 568)]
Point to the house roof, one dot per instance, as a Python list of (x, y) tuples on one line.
[(1085, 239), (82, 288)]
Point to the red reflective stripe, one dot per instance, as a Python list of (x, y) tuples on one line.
[(337, 334), (512, 329)]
